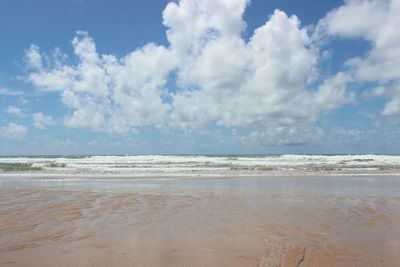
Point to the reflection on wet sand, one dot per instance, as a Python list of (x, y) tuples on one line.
[(55, 227)]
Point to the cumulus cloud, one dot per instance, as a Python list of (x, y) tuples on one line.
[(13, 131), (42, 121), (376, 22), (255, 84), (221, 78), (14, 111), (106, 93)]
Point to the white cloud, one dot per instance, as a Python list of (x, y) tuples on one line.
[(42, 121), (13, 131), (356, 18), (393, 106), (255, 84), (14, 111), (222, 79), (4, 91), (33, 57), (192, 22), (376, 22), (106, 93), (374, 92)]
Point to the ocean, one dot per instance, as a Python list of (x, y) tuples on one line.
[(207, 166)]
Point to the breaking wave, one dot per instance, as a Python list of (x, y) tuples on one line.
[(203, 165)]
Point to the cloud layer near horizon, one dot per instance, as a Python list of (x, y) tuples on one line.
[(263, 83)]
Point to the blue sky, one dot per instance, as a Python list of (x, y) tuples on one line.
[(199, 76)]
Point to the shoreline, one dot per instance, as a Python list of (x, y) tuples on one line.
[(185, 176)]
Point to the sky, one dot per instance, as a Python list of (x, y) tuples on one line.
[(199, 77)]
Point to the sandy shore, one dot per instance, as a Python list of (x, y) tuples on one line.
[(43, 226)]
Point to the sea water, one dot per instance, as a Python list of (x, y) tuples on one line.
[(187, 166)]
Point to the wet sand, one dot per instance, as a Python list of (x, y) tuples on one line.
[(226, 222)]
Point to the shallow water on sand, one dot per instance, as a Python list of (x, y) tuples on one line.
[(251, 185), (248, 221)]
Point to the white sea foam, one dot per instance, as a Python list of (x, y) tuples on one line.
[(205, 166)]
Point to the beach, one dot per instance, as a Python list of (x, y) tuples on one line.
[(232, 221), (215, 133)]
